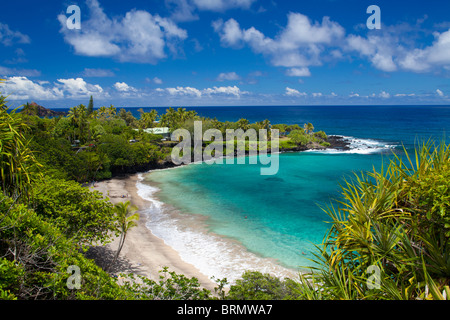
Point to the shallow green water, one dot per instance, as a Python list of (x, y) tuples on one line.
[(278, 216), (275, 216)]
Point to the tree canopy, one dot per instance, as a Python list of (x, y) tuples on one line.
[(388, 238)]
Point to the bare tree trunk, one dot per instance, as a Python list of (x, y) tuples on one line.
[(121, 243)]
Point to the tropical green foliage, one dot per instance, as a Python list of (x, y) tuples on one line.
[(389, 235), (90, 107), (35, 256), (85, 148), (83, 215), (299, 137), (147, 119), (42, 237), (93, 144), (281, 128), (257, 286), (305, 137), (388, 238), (127, 218), (309, 128), (171, 286), (18, 167)]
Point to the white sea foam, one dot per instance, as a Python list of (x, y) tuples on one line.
[(147, 192), (214, 255), (360, 146)]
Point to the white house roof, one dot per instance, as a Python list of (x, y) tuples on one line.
[(158, 130)]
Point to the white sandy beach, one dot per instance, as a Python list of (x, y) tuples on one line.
[(145, 253)]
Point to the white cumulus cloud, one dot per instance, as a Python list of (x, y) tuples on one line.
[(303, 43), (139, 36), (432, 57), (235, 91), (189, 91), (299, 45), (378, 49), (123, 87), (157, 80), (22, 88), (199, 93), (294, 92), (228, 76), (385, 95), (298, 72), (78, 88)]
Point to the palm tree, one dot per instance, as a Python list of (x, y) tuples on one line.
[(78, 118), (163, 120), (102, 111), (169, 119), (73, 118), (192, 114), (243, 124), (182, 115), (216, 124), (112, 111), (151, 118), (127, 219), (147, 119), (82, 111), (94, 114), (309, 128), (73, 115), (266, 124)]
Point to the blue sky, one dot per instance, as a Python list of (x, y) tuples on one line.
[(225, 52)]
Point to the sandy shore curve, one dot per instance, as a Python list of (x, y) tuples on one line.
[(143, 253)]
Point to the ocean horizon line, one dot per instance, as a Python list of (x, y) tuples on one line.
[(252, 106)]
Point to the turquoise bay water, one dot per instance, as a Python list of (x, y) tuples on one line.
[(274, 216), (279, 216)]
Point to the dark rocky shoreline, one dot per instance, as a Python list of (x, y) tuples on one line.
[(336, 142)]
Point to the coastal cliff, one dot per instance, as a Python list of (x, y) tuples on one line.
[(37, 110)]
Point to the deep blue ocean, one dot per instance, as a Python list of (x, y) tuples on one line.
[(389, 123), (278, 217)]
